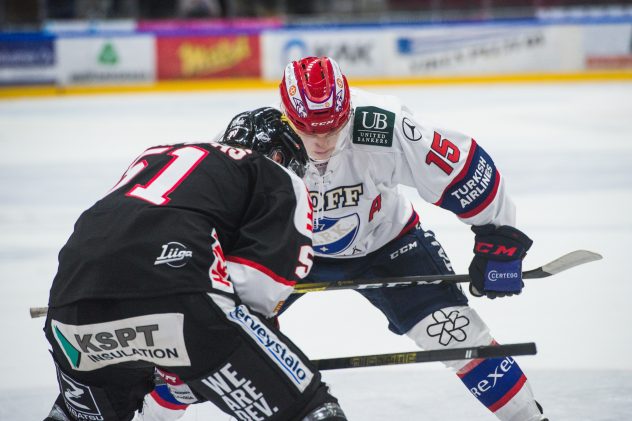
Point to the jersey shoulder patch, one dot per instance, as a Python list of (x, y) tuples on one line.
[(373, 126), (475, 187)]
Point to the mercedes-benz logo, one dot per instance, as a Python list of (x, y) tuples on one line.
[(410, 130)]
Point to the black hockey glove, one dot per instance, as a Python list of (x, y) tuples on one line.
[(496, 270)]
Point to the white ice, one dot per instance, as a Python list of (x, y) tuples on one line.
[(564, 149)]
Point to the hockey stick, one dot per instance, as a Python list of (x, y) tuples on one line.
[(38, 312), (491, 351), (567, 261)]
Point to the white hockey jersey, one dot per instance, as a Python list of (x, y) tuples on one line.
[(357, 205)]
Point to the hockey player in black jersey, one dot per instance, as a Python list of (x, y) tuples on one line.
[(179, 269)]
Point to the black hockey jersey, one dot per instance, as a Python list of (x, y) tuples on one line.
[(192, 218)]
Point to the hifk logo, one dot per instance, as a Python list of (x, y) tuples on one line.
[(174, 254), (335, 235)]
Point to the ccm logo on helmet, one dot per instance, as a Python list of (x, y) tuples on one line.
[(496, 250), (323, 123)]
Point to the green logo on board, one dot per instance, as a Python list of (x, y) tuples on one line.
[(108, 55)]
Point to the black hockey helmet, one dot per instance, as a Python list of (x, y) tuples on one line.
[(266, 131)]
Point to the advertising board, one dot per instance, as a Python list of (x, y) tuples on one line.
[(88, 60), (186, 57), (485, 49), (27, 60), (359, 52), (608, 47)]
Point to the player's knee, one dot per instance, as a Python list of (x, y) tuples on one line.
[(451, 327), (329, 411)]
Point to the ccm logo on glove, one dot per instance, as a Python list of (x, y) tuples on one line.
[(496, 270), (487, 248)]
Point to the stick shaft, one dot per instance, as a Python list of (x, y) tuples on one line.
[(492, 351), (562, 263)]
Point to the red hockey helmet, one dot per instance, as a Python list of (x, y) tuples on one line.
[(315, 95)]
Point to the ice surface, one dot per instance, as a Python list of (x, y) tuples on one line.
[(564, 149), (413, 394)]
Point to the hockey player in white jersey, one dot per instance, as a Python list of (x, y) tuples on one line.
[(362, 146)]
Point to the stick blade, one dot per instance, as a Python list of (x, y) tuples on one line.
[(570, 260), (495, 351)]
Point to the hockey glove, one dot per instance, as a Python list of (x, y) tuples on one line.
[(496, 270)]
